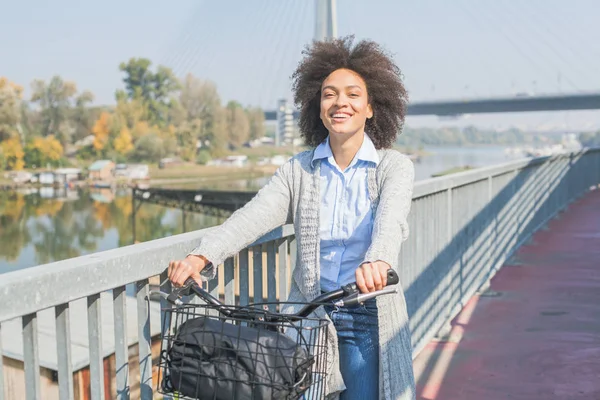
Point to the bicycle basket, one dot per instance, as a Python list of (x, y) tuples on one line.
[(206, 355)]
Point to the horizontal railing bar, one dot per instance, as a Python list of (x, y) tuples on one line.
[(60, 282), (430, 186)]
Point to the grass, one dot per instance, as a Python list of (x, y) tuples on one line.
[(199, 171)]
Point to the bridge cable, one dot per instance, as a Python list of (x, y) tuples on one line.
[(524, 40), (483, 26), (545, 41), (516, 46), (558, 38), (177, 49)]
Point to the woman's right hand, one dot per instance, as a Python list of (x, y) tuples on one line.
[(190, 267)]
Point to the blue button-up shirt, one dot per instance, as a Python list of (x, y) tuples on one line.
[(346, 217)]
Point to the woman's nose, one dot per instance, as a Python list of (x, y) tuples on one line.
[(341, 100)]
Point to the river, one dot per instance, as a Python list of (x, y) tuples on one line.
[(45, 226)]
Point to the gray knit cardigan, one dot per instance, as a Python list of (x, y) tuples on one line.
[(293, 195)]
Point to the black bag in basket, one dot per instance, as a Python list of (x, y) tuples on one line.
[(213, 359)]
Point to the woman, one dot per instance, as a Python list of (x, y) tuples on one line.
[(348, 197)]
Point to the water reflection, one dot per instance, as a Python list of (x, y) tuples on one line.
[(42, 226), (46, 225)]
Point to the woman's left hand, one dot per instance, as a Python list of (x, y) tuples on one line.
[(372, 276)]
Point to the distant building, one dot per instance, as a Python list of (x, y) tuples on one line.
[(132, 171), (63, 175), (101, 170), (19, 176), (230, 161), (46, 178), (285, 123)]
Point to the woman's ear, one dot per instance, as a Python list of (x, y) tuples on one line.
[(369, 111)]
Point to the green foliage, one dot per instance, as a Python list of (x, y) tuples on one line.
[(55, 101), (154, 89), (203, 157), (238, 127), (152, 148)]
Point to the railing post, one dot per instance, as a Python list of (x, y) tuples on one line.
[(121, 345), (258, 274), (31, 357), (144, 340), (63, 347), (1, 367), (283, 270), (228, 275), (96, 355), (244, 278)]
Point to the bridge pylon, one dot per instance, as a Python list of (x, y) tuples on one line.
[(325, 19)]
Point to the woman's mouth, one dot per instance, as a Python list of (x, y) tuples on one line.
[(340, 117)]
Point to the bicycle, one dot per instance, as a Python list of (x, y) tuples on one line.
[(217, 351)]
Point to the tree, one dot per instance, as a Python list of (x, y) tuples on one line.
[(123, 143), (40, 152), (201, 117), (238, 128), (13, 154), (10, 109), (83, 116), (149, 148), (154, 90), (101, 131), (256, 120), (55, 100)]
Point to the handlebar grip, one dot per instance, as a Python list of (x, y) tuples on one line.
[(392, 277), (189, 282)]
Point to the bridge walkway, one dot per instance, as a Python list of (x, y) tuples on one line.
[(535, 333)]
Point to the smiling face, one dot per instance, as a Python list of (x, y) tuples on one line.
[(345, 104)]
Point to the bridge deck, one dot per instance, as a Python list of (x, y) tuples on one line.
[(536, 333)]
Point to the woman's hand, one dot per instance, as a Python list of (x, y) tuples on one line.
[(189, 267), (372, 276)]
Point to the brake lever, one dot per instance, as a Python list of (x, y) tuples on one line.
[(176, 293), (359, 298)]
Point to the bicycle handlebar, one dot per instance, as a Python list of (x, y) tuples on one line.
[(347, 295)]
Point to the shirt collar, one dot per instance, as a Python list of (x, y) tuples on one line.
[(367, 151)]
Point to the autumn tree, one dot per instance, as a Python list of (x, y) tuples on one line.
[(101, 132), (12, 154), (42, 151), (123, 143)]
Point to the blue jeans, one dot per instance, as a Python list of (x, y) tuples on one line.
[(358, 343)]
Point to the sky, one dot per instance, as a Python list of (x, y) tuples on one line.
[(446, 49)]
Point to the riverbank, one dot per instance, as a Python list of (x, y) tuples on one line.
[(188, 173)]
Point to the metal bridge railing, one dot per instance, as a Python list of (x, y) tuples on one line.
[(91, 313)]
